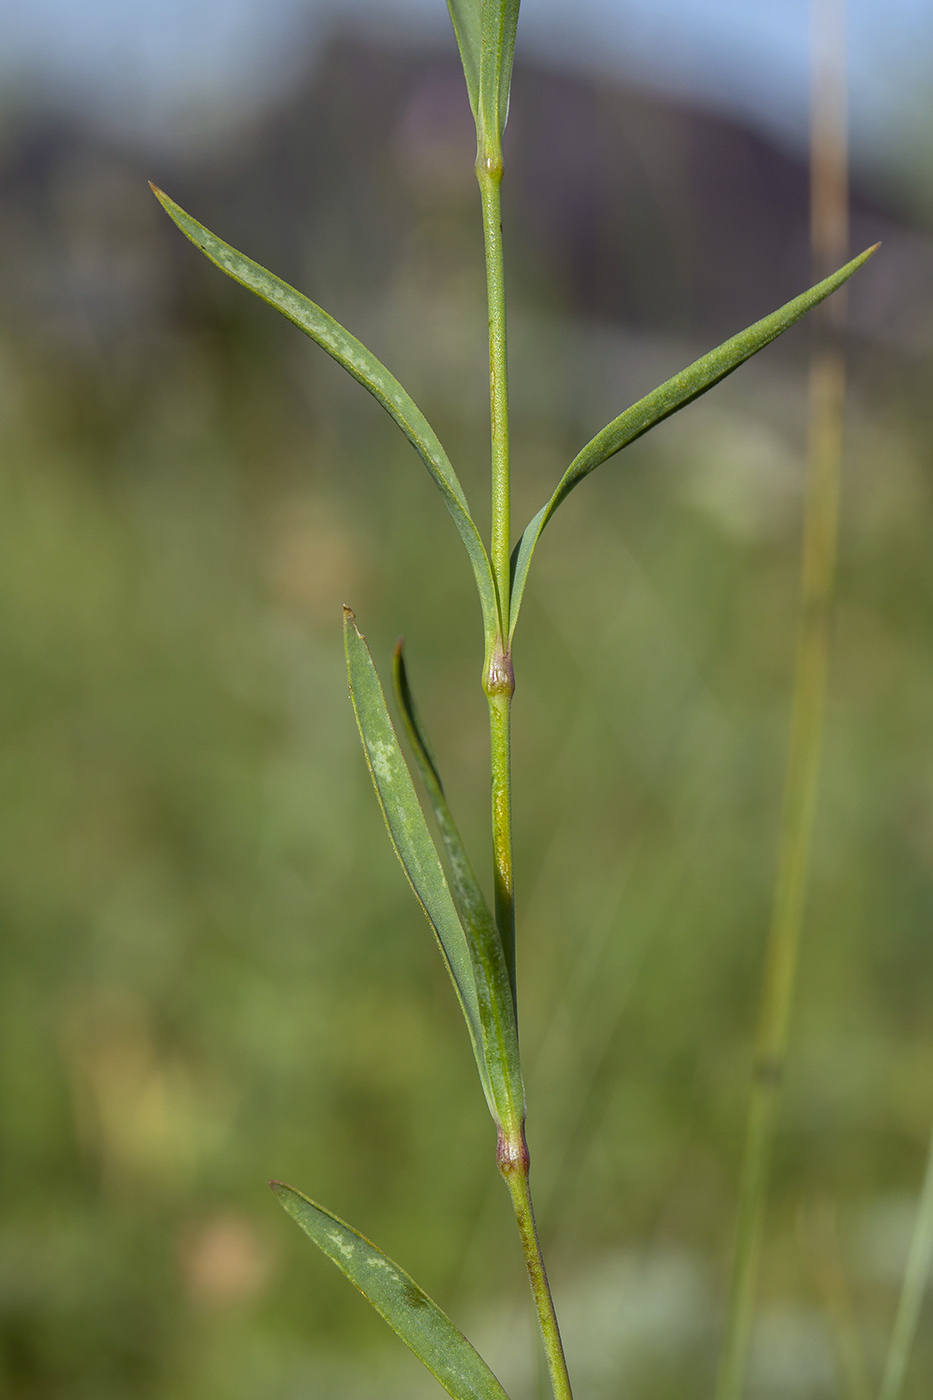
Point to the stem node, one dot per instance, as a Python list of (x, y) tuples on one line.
[(499, 678), (512, 1153)]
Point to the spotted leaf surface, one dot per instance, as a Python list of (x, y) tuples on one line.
[(416, 1318)]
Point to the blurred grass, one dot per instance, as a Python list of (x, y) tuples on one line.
[(208, 945)]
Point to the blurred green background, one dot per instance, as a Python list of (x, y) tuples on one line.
[(213, 971)]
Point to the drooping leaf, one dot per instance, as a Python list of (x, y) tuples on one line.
[(408, 831), (495, 993), (676, 393), (408, 1310), (366, 369)]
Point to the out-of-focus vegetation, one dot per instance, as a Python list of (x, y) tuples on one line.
[(212, 970)]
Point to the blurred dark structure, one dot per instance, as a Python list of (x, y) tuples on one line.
[(621, 207)]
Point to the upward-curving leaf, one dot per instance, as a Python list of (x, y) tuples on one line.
[(408, 830), (408, 1310), (363, 365), (494, 989), (661, 403)]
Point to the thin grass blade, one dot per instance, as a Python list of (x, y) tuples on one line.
[(363, 365), (675, 394), (494, 990), (408, 830), (408, 1310)]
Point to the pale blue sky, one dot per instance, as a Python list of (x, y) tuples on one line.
[(141, 65)]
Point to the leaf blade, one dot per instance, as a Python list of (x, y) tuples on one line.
[(410, 1312), (495, 992), (408, 831), (500, 21), (664, 401), (364, 367), (466, 16)]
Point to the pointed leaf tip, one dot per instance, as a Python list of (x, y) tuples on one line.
[(667, 399), (408, 1310), (365, 368), (408, 830)]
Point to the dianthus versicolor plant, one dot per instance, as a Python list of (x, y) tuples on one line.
[(477, 943)]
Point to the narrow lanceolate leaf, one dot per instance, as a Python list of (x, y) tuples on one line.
[(490, 972), (364, 367), (662, 402), (408, 830), (408, 1310)]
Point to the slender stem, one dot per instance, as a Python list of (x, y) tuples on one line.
[(795, 841), (827, 391), (499, 684), (514, 1166), (489, 175), (919, 1264), (499, 681)]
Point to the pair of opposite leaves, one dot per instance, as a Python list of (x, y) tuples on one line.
[(463, 926)]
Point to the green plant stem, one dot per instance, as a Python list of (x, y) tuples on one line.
[(489, 176), (829, 235), (514, 1166), (916, 1278), (827, 389), (499, 687), (499, 681), (499, 684)]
